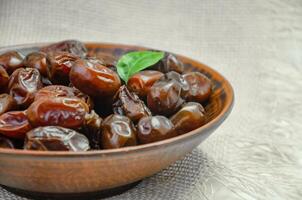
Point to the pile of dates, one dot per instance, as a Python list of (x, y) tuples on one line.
[(62, 98)]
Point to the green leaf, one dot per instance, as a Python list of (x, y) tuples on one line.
[(133, 62)]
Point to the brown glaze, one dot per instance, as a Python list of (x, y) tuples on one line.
[(93, 78), (141, 82), (57, 111), (164, 97), (63, 91), (11, 60), (7, 103), (199, 87), (59, 65), (154, 128), (23, 85), (4, 78), (14, 124), (70, 46), (118, 131), (92, 129), (55, 138), (189, 117), (127, 103), (114, 167), (36, 60), (107, 59)]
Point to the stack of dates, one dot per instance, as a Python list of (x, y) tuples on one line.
[(63, 99)]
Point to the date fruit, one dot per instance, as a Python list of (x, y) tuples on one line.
[(94, 79), (164, 97), (23, 85), (107, 59), (14, 124), (70, 46), (172, 75), (7, 103), (169, 63), (55, 138), (4, 78), (55, 91), (11, 61), (118, 131), (58, 111), (189, 117), (154, 128), (59, 65), (127, 103), (36, 60), (141, 82), (63, 91), (199, 87), (92, 129)]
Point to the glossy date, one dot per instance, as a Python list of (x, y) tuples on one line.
[(189, 117), (94, 79), (55, 138), (118, 131), (127, 103), (154, 128), (14, 124), (58, 111), (11, 61), (23, 85)]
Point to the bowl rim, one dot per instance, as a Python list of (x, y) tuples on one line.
[(131, 149)]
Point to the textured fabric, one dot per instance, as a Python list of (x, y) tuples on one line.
[(257, 45)]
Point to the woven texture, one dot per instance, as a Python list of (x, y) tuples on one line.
[(257, 45)]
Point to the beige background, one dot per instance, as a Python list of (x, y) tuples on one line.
[(257, 45)]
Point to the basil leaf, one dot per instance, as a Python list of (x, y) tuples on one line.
[(133, 62)]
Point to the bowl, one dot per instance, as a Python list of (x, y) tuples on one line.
[(83, 172)]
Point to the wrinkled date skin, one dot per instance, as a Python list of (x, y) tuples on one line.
[(59, 65), (199, 87), (92, 129), (4, 78), (70, 46), (172, 75), (11, 61), (57, 111), (189, 117), (23, 85), (6, 143), (55, 138), (94, 79), (127, 103), (118, 131), (36, 60), (63, 91), (84, 97), (164, 97), (7, 103), (107, 59), (169, 63), (14, 124), (154, 128), (141, 82), (55, 91)]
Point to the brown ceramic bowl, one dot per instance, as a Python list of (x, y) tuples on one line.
[(81, 172)]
